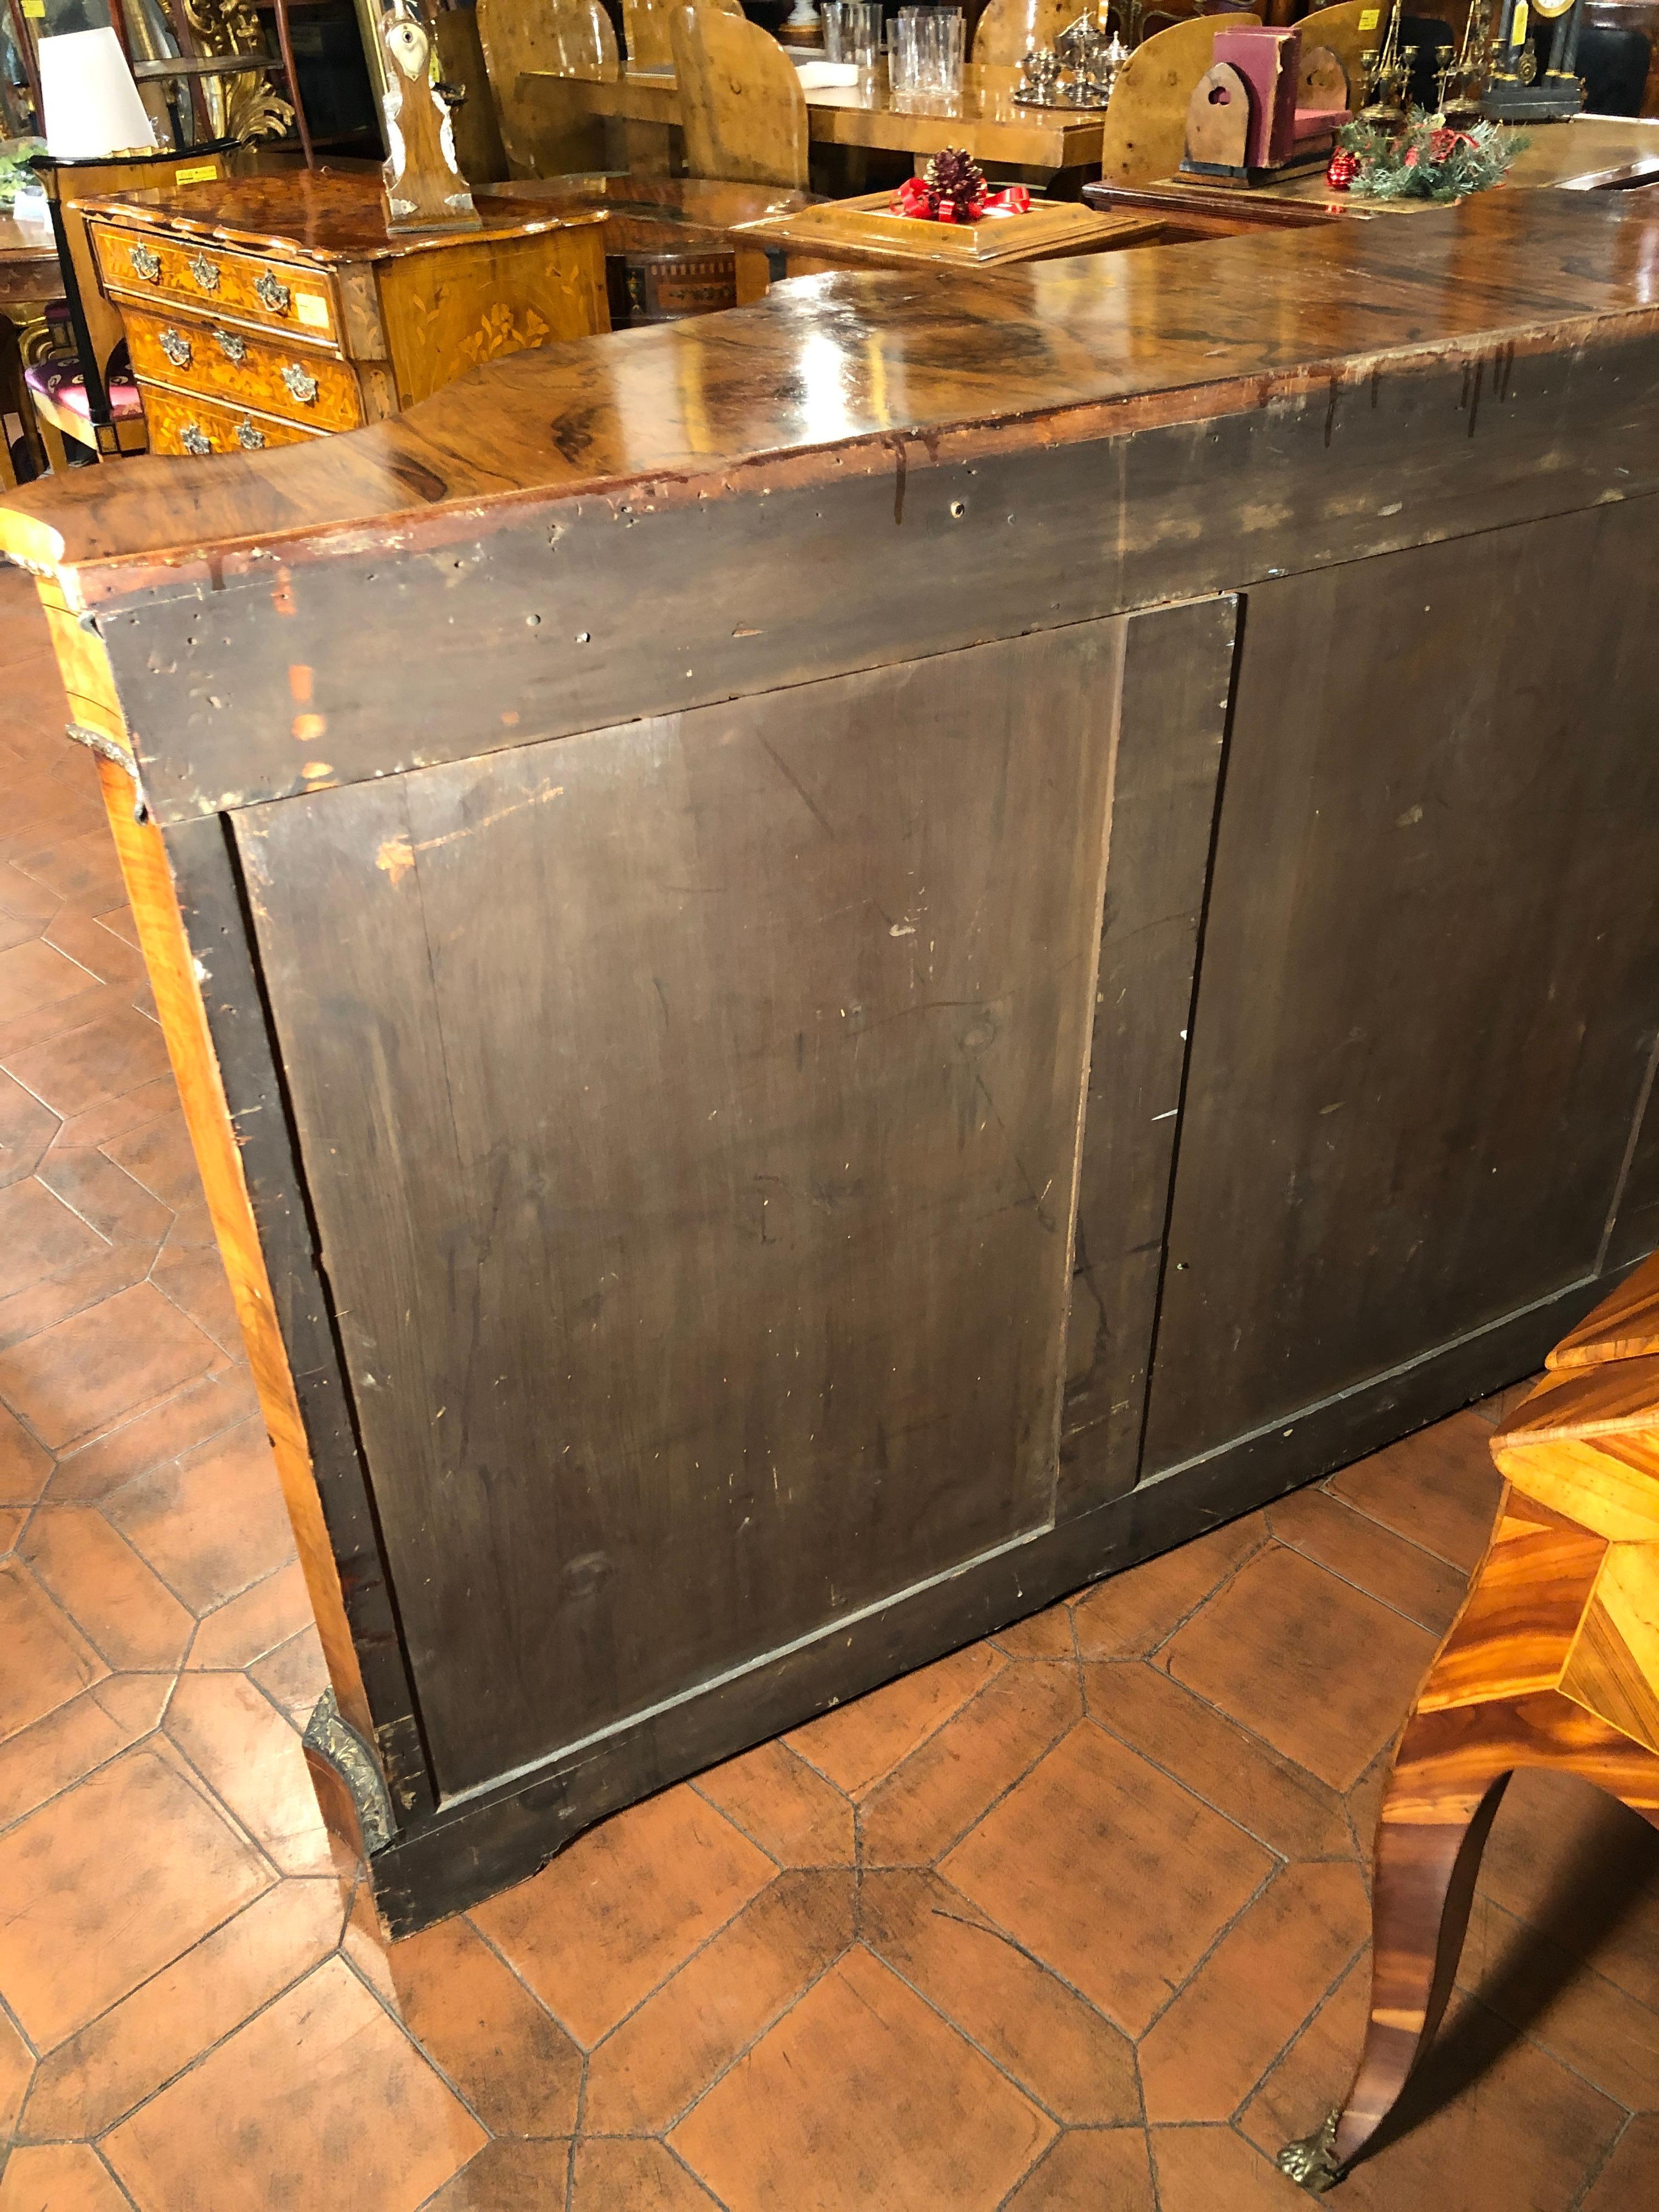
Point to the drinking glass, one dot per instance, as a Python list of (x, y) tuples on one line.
[(942, 48), (862, 34), (904, 50), (833, 16)]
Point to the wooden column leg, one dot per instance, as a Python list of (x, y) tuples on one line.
[(1429, 1847)]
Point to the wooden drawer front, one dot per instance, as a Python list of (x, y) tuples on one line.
[(180, 423), (137, 264), (303, 383)]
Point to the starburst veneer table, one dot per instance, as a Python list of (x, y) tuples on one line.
[(1554, 1663)]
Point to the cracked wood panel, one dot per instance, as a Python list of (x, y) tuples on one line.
[(1425, 1009), (1166, 784), (691, 1114)]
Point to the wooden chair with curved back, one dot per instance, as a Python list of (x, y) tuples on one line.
[(1339, 29), (1008, 27), (741, 105), (1146, 130), (646, 28), (568, 38)]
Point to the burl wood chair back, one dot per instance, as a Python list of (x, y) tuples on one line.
[(1008, 26), (646, 27), (1146, 130), (1554, 1663), (1339, 29), (741, 105), (567, 38)]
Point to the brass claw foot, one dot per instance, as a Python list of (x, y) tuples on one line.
[(1311, 2162)]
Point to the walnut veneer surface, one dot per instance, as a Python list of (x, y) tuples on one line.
[(1167, 334)]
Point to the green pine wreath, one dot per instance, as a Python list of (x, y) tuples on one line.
[(1430, 159)]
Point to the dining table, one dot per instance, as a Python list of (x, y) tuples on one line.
[(983, 118)]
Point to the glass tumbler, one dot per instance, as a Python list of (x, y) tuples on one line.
[(833, 16)]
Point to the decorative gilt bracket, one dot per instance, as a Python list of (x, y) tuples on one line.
[(333, 1748)]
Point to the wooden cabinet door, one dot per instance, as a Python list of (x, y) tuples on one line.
[(690, 1113)]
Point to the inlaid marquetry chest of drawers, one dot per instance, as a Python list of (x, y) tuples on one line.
[(264, 310)]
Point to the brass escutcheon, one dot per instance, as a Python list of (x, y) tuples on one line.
[(248, 437), (232, 347), (147, 263), (270, 294), (300, 383), (176, 348), (195, 440), (205, 272)]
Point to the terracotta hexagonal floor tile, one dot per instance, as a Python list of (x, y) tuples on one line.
[(1109, 1872), (214, 1521), (1438, 1488), (1277, 1649), (122, 1874), (862, 2100), (320, 2100), (514, 2063), (856, 1744), (1631, 2176), (87, 1371), (1104, 2169), (614, 1915), (59, 2178), (784, 1805), (47, 1660), (632, 2176)]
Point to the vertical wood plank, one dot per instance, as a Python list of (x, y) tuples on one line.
[(1177, 676)]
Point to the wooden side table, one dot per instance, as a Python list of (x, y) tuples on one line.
[(265, 310), (1552, 1662), (864, 234), (29, 279)]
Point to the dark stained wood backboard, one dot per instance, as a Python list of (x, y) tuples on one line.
[(1425, 1013), (691, 1115)]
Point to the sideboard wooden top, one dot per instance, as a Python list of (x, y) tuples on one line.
[(841, 372), (319, 215)]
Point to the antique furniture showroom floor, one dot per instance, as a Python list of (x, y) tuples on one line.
[(1072, 1921)]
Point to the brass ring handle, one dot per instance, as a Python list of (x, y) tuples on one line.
[(301, 384), (195, 440), (146, 262), (175, 346), (248, 437), (271, 295), (232, 347), (205, 272)]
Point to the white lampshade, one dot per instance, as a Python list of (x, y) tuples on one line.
[(92, 104)]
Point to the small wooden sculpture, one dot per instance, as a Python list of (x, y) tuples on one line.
[(1264, 107), (424, 190), (1554, 1663)]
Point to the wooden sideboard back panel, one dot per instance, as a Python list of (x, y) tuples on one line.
[(588, 611), (1491, 736), (691, 1115)]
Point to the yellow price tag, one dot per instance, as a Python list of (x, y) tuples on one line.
[(312, 312), (1370, 18), (200, 175), (1518, 24), (35, 10)]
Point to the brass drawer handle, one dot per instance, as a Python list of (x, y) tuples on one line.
[(270, 294), (205, 272), (232, 347), (176, 349), (194, 440), (301, 384), (146, 262), (248, 437)]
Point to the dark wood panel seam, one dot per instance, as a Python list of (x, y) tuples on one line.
[(218, 926), (1243, 619)]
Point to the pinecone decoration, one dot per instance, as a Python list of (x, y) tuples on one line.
[(955, 181), (1342, 170)]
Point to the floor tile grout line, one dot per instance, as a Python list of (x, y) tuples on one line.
[(104, 2159), (1214, 1945), (847, 1703), (737, 2058), (1584, 1961), (137, 1989), (1235, 2119), (126, 1542), (1288, 1544), (1455, 1566), (219, 1802), (990, 1806), (1256, 1736), (1600, 2166), (587, 2049), (422, 2052), (1227, 1581), (999, 2065), (27, 2040), (691, 1782), (102, 1766), (128, 1419), (1042, 1965), (686, 2166), (218, 2043), (539, 2002)]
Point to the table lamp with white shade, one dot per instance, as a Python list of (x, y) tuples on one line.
[(91, 104)]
